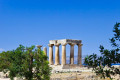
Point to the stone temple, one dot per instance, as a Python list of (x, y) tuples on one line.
[(64, 42)]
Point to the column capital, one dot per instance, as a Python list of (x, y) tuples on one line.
[(71, 44), (50, 45), (79, 44), (57, 44), (63, 44), (39, 46)]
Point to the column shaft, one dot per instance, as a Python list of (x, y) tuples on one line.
[(57, 61), (79, 54), (50, 54), (45, 50), (63, 54), (71, 53)]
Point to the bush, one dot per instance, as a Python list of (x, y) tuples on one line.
[(98, 63), (28, 63)]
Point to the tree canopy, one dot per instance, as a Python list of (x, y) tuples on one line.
[(25, 62), (107, 58)]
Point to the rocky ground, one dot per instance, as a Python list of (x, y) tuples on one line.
[(79, 76), (69, 73), (72, 76)]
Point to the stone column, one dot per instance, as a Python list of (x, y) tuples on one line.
[(72, 53), (39, 46), (80, 54), (50, 54), (57, 59), (45, 50), (64, 54)]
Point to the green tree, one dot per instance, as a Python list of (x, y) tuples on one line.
[(98, 63), (11, 61), (25, 62)]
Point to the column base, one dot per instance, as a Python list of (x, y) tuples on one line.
[(57, 64), (80, 65), (71, 63), (50, 64)]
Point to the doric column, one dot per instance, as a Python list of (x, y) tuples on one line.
[(50, 54), (64, 54), (72, 53), (39, 46), (80, 54), (45, 50), (57, 59)]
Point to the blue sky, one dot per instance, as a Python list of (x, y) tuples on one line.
[(35, 22)]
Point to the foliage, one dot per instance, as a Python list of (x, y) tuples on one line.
[(102, 64), (28, 63)]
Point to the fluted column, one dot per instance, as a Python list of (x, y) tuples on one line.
[(50, 53), (45, 50), (72, 53), (80, 54), (57, 59), (64, 54)]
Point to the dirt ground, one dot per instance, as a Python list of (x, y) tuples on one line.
[(74, 76), (78, 76)]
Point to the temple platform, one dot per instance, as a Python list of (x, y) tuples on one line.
[(69, 68)]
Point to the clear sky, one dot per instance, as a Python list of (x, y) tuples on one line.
[(35, 22)]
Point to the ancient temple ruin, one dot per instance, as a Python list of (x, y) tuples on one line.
[(64, 42)]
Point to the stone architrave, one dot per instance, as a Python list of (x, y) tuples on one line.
[(57, 59), (63, 53), (45, 50), (80, 54), (72, 53), (50, 54)]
